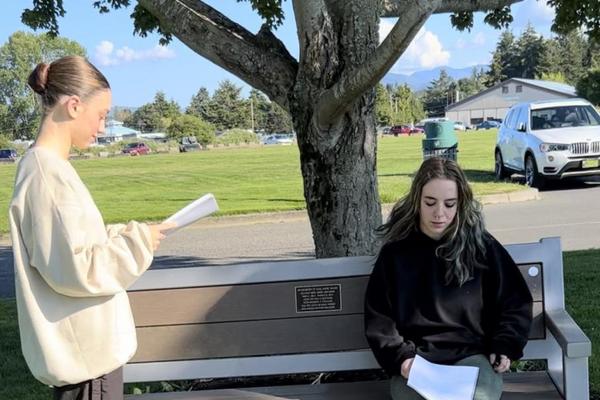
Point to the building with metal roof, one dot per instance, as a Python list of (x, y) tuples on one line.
[(493, 103), (114, 131)]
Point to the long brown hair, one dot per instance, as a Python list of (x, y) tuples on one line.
[(462, 245), (70, 75)]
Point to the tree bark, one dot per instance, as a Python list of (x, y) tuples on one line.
[(338, 159)]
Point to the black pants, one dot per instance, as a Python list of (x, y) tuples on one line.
[(106, 387)]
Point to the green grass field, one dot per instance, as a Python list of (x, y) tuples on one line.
[(246, 180), (582, 278)]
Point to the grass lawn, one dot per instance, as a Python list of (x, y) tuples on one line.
[(582, 278), (246, 180)]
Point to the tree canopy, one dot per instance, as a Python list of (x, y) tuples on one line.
[(19, 112)]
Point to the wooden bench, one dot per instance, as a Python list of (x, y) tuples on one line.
[(307, 316)]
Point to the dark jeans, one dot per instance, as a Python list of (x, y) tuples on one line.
[(106, 387)]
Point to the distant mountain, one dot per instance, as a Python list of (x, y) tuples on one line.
[(421, 79)]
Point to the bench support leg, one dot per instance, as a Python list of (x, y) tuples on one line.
[(576, 378)]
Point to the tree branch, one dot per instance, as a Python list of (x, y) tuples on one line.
[(352, 83), (260, 60), (393, 8)]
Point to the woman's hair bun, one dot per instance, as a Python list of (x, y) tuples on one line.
[(38, 79)]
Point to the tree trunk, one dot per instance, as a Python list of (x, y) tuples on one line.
[(340, 184), (338, 158)]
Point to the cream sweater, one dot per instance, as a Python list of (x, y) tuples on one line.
[(71, 273)]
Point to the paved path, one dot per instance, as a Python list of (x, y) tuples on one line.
[(572, 212)]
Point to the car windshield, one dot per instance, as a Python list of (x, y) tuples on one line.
[(564, 117), (132, 145)]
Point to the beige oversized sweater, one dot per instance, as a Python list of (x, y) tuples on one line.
[(71, 273)]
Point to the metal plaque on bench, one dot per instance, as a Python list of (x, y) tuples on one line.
[(316, 298)]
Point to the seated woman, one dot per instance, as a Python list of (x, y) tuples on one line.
[(443, 287)]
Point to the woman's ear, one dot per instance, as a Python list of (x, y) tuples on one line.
[(74, 106)]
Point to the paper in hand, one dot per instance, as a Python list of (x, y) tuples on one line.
[(197, 209), (442, 382)]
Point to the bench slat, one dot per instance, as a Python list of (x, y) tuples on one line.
[(242, 339), (236, 303)]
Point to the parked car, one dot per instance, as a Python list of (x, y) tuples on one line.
[(136, 149), (278, 139), (189, 143), (551, 139), (400, 130), (459, 126), (416, 129), (489, 124), (8, 155)]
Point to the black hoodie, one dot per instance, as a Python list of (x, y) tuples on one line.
[(409, 309)]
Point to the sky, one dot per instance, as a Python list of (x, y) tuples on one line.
[(137, 68)]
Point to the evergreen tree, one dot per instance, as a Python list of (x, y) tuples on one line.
[(277, 119), (199, 106), (530, 48), (573, 48), (588, 86), (227, 109), (504, 60), (435, 99), (156, 116), (383, 107), (471, 85)]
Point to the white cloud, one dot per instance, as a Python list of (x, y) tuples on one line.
[(478, 39), (103, 51), (425, 52), (538, 13), (106, 54), (460, 44)]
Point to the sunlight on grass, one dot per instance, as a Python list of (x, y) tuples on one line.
[(246, 180)]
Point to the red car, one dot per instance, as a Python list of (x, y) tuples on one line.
[(400, 130), (136, 149)]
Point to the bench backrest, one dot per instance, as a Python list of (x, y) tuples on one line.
[(283, 317)]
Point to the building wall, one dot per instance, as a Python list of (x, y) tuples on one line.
[(495, 103)]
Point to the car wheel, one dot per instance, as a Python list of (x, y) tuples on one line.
[(500, 171), (532, 177)]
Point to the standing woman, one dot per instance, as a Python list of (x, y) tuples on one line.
[(71, 270), (444, 288)]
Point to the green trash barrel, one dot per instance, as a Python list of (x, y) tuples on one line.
[(441, 141)]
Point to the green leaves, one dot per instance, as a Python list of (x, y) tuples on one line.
[(269, 10), (499, 18), (44, 15), (573, 14)]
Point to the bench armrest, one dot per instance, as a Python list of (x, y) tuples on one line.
[(572, 340)]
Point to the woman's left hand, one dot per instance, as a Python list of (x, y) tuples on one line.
[(501, 364)]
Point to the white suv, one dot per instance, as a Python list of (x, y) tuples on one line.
[(551, 139)]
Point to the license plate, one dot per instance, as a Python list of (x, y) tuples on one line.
[(590, 164)]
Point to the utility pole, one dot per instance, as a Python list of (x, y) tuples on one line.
[(252, 112)]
